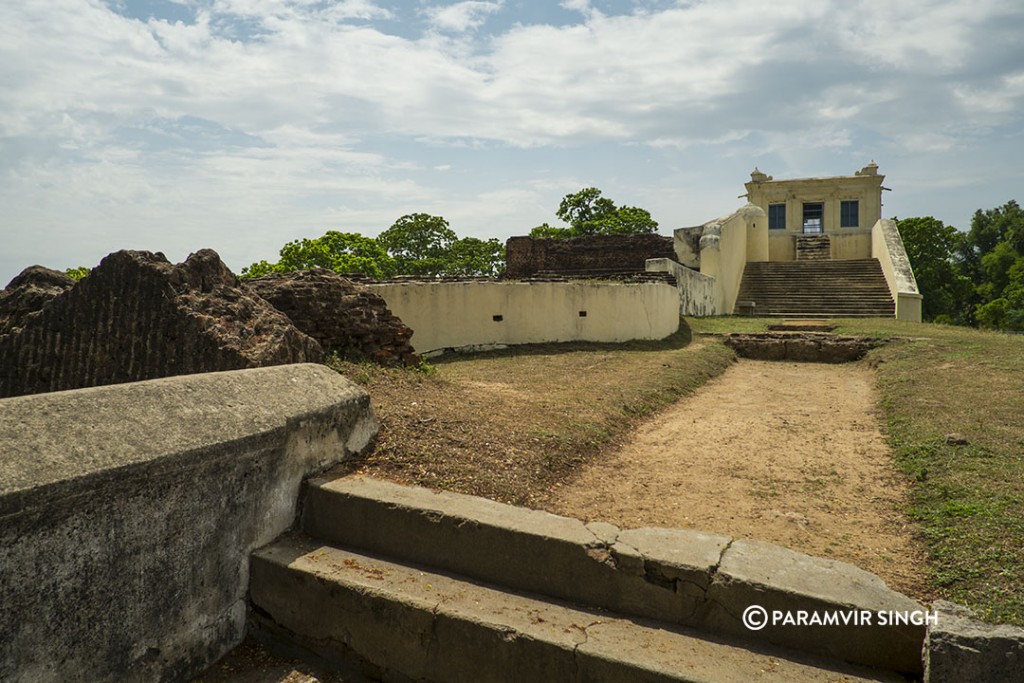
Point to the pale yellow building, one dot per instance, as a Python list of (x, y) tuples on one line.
[(806, 247), (845, 208)]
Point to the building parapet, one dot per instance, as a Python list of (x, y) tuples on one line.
[(887, 247)]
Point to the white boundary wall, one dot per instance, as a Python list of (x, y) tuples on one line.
[(887, 247), (459, 314)]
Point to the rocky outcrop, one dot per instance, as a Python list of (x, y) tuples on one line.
[(136, 316), (28, 293), (807, 347), (343, 316)]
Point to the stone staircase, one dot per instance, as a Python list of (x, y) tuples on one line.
[(404, 584), (816, 289), (813, 248)]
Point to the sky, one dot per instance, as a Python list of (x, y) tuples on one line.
[(240, 125)]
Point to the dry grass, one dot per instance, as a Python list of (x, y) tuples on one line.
[(510, 425)]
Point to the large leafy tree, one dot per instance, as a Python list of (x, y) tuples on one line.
[(932, 247), (588, 213), (992, 256), (470, 256), (342, 252), (417, 244)]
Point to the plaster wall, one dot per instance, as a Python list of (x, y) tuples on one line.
[(887, 247), (723, 253), (781, 246), (447, 315), (129, 513), (854, 244), (697, 294)]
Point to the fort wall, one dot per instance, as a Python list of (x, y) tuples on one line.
[(129, 513), (447, 315)]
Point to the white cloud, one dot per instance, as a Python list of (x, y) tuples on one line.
[(462, 16), (258, 108)]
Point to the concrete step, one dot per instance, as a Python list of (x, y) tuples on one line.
[(405, 622), (683, 578)]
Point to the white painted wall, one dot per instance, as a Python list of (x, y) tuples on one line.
[(459, 314), (697, 293), (887, 247)]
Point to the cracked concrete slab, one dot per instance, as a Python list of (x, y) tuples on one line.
[(753, 573), (410, 623), (678, 576), (961, 648)]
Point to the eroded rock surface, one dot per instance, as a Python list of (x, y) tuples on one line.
[(137, 316), (343, 316), (28, 293)]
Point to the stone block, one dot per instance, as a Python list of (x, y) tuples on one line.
[(962, 649)]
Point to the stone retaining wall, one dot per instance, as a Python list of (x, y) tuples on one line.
[(127, 514)]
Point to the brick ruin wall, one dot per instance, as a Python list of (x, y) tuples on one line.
[(526, 256), (136, 316), (346, 318)]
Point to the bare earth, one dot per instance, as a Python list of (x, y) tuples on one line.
[(789, 453)]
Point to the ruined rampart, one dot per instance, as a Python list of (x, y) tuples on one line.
[(344, 317), (136, 317), (526, 256)]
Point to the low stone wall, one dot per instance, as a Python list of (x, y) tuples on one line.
[(697, 295), (525, 256), (129, 512), (806, 347), (452, 315)]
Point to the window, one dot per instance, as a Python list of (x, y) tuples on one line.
[(776, 216), (849, 214), (812, 218)]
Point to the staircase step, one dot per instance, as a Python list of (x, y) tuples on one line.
[(685, 578), (406, 622), (820, 288)]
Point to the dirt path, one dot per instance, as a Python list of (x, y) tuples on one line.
[(784, 452)]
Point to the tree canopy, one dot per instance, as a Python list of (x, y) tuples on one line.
[(416, 244), (588, 213), (972, 278)]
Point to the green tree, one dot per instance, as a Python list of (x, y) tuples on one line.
[(78, 273), (588, 213), (470, 256), (343, 252), (420, 244), (991, 257), (932, 247), (417, 244)]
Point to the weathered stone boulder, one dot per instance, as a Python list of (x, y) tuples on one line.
[(343, 316), (28, 293), (137, 316)]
